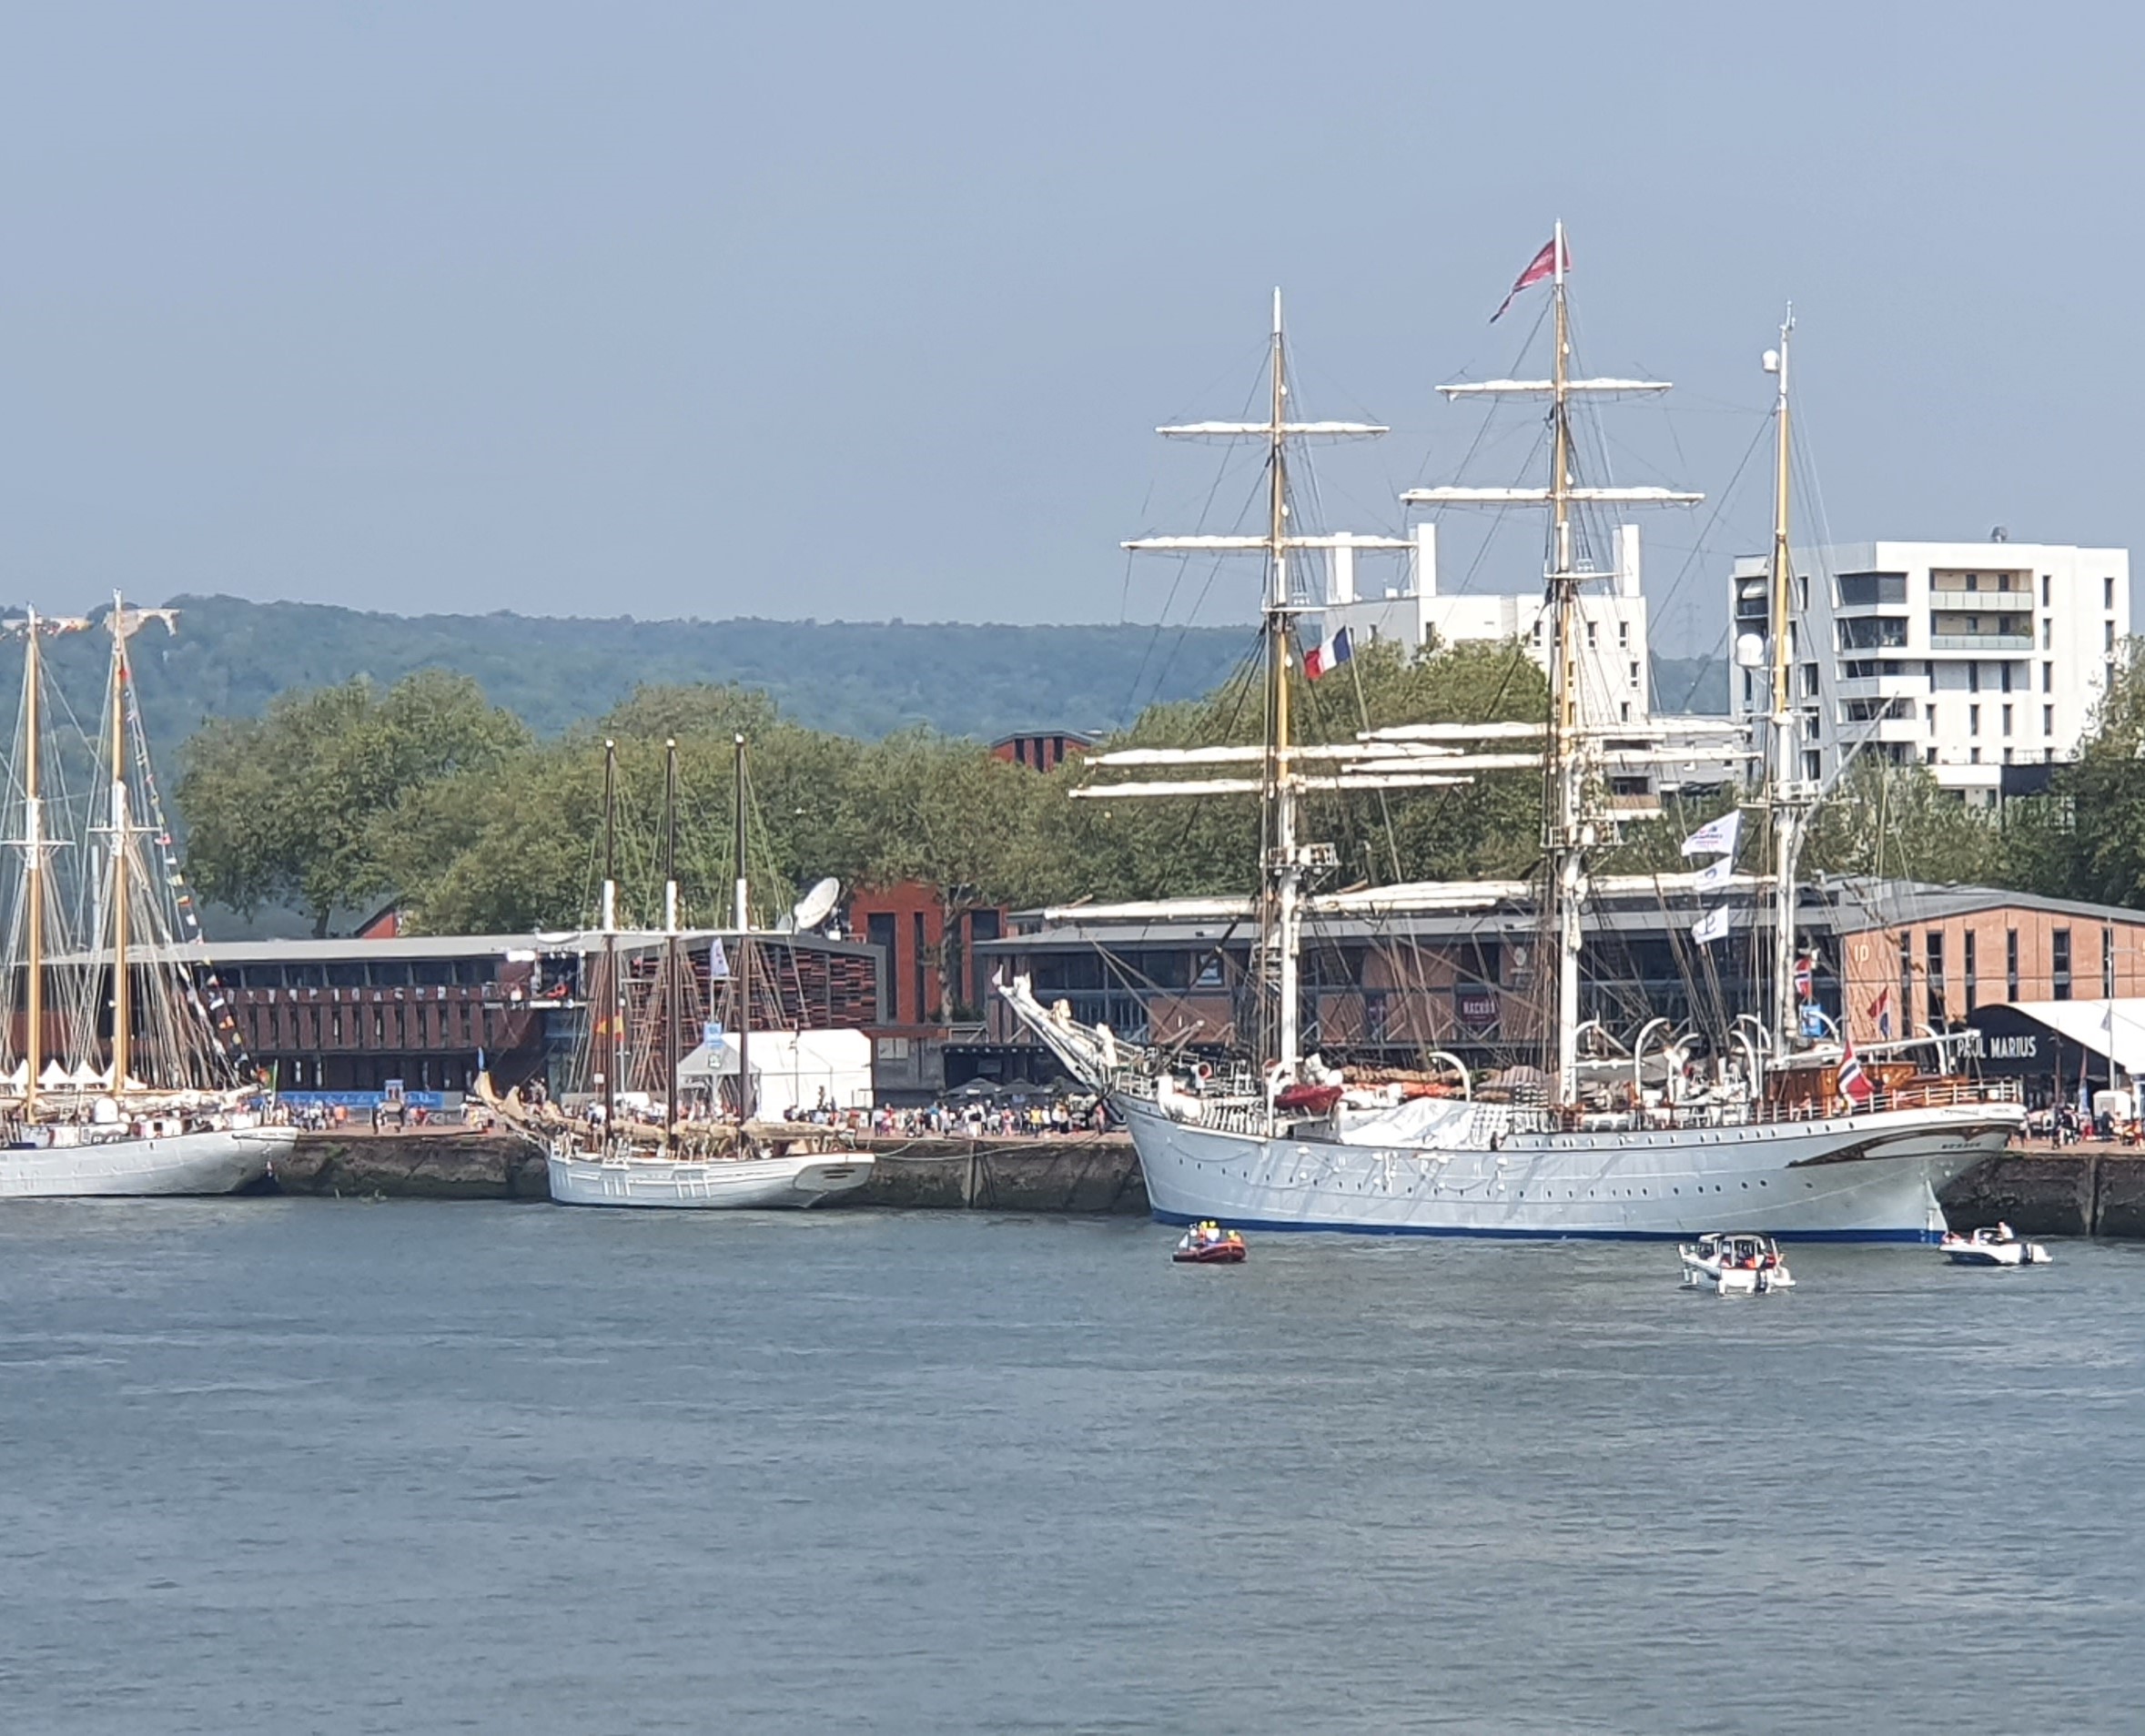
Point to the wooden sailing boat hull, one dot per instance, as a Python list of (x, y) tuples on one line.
[(712, 1183), (1867, 1177), (198, 1163)]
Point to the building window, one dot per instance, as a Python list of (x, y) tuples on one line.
[(2048, 633), (2010, 963), (1813, 764), (1974, 756), (1593, 635), (2106, 635), (1967, 969), (1905, 982), (1973, 678), (1809, 680), (2048, 678), (1623, 712), (916, 964), (2047, 719), (2059, 962), (1973, 720), (1933, 942), (2007, 720), (1635, 672), (2107, 963), (2006, 670), (1623, 633), (1801, 592), (2047, 586), (2108, 594), (1929, 717)]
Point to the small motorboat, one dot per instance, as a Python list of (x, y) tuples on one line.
[(1998, 1246), (1735, 1262), (1208, 1244)]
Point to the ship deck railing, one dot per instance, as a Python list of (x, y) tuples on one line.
[(1238, 1112)]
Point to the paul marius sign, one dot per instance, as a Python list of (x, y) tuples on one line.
[(2016, 1045)]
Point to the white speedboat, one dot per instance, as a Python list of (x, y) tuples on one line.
[(1735, 1262), (1999, 1244)]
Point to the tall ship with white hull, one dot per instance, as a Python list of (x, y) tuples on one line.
[(1756, 1129), (119, 1078), (647, 1151)]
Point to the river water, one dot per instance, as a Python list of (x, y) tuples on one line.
[(285, 1466)]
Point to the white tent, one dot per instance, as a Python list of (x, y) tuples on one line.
[(2115, 1029), (791, 1069)]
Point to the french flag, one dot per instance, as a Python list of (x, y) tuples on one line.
[(1327, 655)]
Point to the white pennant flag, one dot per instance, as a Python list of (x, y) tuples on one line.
[(1717, 837), (1714, 875), (1712, 926)]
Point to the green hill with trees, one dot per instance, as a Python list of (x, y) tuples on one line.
[(230, 657)]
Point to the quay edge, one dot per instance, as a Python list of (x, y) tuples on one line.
[(2078, 1191)]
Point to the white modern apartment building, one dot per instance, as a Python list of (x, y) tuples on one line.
[(1616, 676), (1967, 657)]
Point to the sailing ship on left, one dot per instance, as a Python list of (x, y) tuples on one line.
[(117, 1077)]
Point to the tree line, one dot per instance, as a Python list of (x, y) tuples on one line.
[(427, 793)]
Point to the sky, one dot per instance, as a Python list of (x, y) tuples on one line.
[(862, 312)]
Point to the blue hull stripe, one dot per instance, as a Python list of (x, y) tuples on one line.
[(1923, 1238)]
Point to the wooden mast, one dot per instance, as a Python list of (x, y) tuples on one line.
[(1787, 796), (33, 872), (670, 954), (122, 997), (607, 1027), (1285, 872), (1567, 840), (744, 958)]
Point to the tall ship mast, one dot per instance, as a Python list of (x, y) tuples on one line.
[(625, 1147), (1570, 832), (127, 1082), (1283, 1141), (1790, 798)]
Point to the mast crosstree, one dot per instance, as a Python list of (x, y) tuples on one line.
[(1569, 831)]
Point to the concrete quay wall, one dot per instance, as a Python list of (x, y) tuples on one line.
[(1071, 1175), (2081, 1190), (2078, 1190)]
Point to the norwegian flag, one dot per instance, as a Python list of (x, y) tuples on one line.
[(1544, 265), (1805, 968), (1854, 1084)]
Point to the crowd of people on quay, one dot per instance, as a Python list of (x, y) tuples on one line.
[(967, 1119)]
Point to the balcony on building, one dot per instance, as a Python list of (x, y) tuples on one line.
[(1862, 593)]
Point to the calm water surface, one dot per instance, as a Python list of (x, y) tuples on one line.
[(285, 1466)]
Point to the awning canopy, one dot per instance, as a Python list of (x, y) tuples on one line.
[(2114, 1030)]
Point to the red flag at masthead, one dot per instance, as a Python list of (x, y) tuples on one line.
[(1545, 264)]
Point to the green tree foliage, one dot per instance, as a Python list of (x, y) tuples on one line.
[(2086, 838), (491, 831), (288, 807)]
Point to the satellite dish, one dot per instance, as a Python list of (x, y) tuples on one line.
[(817, 905)]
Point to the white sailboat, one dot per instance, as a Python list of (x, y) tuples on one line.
[(607, 1159), (152, 1103), (1284, 1145)]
